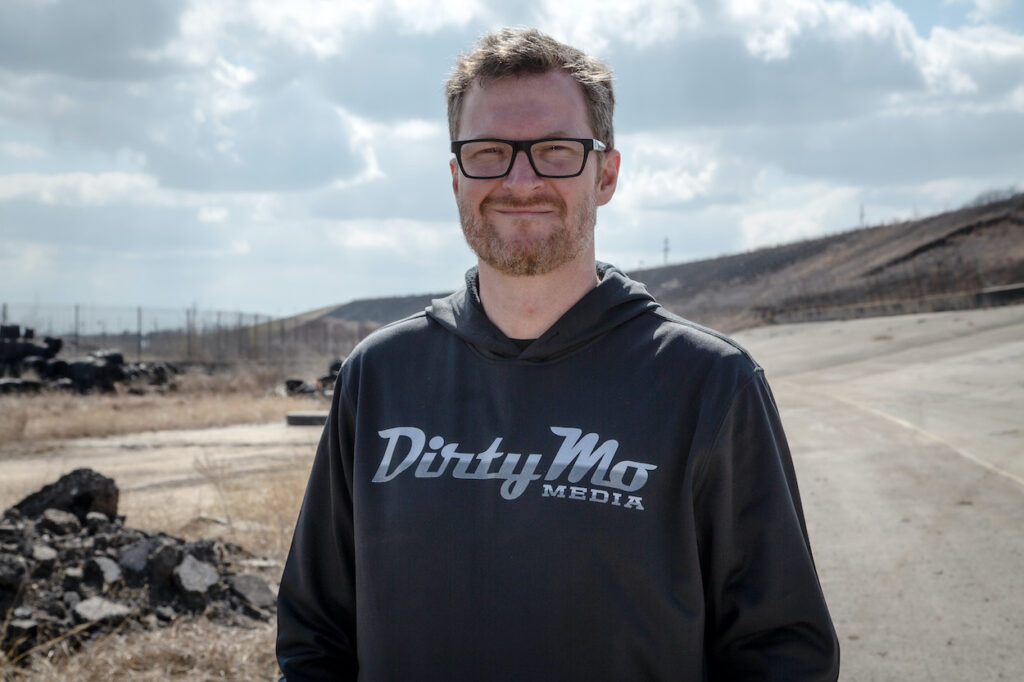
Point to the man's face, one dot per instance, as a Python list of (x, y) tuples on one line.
[(524, 224)]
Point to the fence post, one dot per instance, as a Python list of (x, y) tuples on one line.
[(264, 351), (188, 333), (254, 340)]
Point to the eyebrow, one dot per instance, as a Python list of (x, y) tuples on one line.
[(558, 133)]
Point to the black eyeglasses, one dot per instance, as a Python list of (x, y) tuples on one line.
[(551, 157)]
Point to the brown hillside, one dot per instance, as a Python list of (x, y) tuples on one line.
[(939, 262)]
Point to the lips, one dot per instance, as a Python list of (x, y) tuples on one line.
[(522, 211), (522, 208)]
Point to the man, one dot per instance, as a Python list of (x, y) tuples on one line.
[(547, 476)]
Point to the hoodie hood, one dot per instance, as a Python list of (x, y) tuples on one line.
[(614, 300)]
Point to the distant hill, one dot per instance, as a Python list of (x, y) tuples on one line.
[(383, 310), (954, 259), (950, 260)]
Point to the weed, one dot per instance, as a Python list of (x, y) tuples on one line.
[(13, 421)]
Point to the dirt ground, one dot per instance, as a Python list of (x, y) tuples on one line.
[(908, 438), (167, 479)]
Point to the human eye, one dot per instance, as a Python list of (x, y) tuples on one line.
[(486, 150), (557, 149)]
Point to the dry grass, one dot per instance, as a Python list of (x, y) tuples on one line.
[(13, 420), (259, 514), (187, 650), (202, 400)]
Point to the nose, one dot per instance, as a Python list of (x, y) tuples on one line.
[(522, 176)]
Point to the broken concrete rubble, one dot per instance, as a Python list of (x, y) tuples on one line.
[(71, 568)]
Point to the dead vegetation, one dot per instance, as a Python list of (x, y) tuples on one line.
[(201, 400), (186, 650)]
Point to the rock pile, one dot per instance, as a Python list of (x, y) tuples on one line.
[(69, 565)]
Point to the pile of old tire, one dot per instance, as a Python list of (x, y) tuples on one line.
[(27, 366)]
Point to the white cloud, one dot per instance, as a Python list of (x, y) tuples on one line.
[(115, 189), (428, 17), (392, 236), (984, 10), (361, 142), (662, 170), (266, 209), (76, 189), (963, 61), (797, 211), (27, 261), (417, 129), (19, 150), (951, 60), (1016, 99), (770, 27), (641, 23), (213, 214), (318, 28), (219, 94), (315, 26)]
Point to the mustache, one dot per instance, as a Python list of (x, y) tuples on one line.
[(553, 203)]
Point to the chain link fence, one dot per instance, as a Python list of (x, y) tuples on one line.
[(189, 335)]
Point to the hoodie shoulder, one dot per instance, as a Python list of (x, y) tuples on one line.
[(703, 346), (394, 333)]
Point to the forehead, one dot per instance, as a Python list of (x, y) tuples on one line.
[(524, 107)]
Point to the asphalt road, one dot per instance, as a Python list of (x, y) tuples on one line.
[(908, 437)]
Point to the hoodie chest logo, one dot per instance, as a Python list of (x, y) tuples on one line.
[(580, 458)]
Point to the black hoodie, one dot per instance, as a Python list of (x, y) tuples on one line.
[(616, 501)]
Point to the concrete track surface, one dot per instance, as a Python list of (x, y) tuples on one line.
[(908, 438)]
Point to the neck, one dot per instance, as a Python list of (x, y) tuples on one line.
[(526, 307)]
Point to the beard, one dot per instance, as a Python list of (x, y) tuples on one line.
[(521, 254)]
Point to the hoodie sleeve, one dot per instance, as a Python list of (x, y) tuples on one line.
[(766, 614), (316, 615)]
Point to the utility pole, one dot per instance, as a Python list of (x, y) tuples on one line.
[(665, 251)]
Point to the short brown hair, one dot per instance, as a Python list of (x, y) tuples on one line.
[(514, 52)]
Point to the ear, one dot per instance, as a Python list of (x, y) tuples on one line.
[(455, 175), (608, 176)]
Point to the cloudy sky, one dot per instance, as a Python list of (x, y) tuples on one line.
[(275, 157)]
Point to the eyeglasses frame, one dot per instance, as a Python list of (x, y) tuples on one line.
[(589, 144)]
